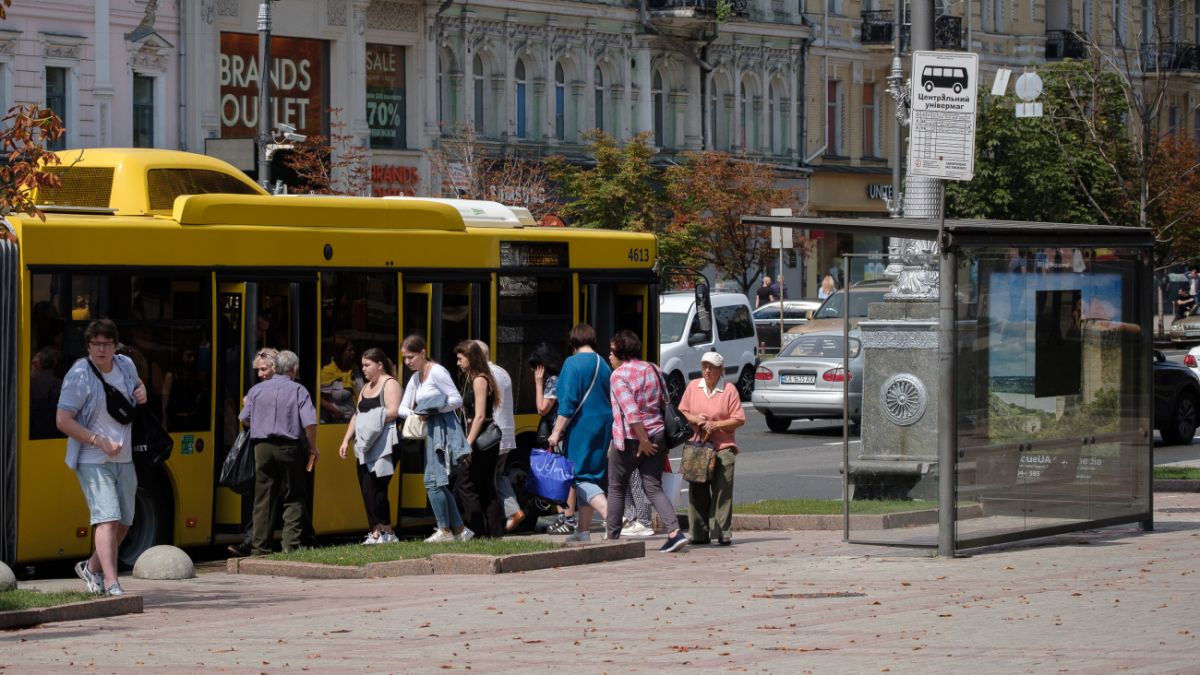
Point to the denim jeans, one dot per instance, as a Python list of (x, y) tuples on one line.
[(444, 508)]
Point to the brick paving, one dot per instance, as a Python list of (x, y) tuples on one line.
[(1102, 601)]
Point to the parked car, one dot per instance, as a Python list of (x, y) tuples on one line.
[(1176, 400), (1185, 330), (829, 315), (1192, 360), (683, 341), (805, 381), (766, 321)]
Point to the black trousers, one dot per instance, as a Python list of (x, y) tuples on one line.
[(474, 489), (375, 496)]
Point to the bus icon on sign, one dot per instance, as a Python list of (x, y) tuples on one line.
[(944, 77)]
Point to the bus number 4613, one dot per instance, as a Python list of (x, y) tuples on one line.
[(639, 255)]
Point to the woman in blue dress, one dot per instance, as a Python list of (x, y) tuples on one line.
[(584, 424)]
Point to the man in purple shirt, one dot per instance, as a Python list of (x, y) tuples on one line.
[(281, 416)]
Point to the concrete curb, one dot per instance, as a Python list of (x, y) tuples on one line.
[(446, 563), (882, 521), (75, 611), (1176, 485)]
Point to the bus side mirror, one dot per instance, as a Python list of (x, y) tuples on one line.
[(703, 308)]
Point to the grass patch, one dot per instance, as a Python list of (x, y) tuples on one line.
[(829, 507), (1176, 473), (31, 599), (357, 555)]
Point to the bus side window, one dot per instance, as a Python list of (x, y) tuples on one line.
[(358, 312)]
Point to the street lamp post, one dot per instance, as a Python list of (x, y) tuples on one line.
[(264, 92)]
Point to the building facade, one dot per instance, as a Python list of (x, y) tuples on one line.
[(799, 84), (109, 68)]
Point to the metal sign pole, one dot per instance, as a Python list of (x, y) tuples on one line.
[(947, 393)]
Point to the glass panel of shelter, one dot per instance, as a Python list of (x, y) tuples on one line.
[(892, 482), (1049, 433)]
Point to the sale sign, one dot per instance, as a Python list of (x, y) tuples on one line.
[(385, 96), (297, 84)]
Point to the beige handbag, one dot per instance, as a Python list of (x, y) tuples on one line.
[(414, 428)]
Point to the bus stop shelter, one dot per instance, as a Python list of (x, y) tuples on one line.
[(1015, 401)]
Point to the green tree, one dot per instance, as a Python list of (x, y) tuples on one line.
[(620, 192), (1053, 168)]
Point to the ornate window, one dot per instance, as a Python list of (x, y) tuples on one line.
[(519, 78), (560, 102), (833, 118), (477, 82), (57, 86), (870, 121), (143, 111), (656, 100), (598, 84)]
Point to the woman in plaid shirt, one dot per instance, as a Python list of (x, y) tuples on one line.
[(637, 398)]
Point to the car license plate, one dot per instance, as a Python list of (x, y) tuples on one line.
[(807, 378)]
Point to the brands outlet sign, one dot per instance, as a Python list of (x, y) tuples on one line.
[(297, 84)]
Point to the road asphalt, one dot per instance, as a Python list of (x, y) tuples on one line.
[(1114, 599)]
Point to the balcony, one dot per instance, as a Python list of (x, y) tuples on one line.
[(1170, 56), (947, 34), (1065, 44), (877, 26), (705, 7), (690, 19)]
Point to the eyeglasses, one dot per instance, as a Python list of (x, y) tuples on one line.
[(102, 345)]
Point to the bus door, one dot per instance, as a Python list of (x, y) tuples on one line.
[(254, 314), (444, 313), (613, 305)]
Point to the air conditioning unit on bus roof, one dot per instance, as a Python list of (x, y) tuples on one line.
[(480, 213)]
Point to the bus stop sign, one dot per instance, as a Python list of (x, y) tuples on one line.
[(941, 134)]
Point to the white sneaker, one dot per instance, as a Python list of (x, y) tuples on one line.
[(440, 537), (95, 582), (580, 535), (115, 589), (388, 538), (636, 529), (372, 538), (465, 535)]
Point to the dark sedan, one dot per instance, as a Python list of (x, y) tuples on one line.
[(1176, 401)]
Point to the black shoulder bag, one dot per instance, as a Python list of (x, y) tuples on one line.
[(677, 430), (119, 408)]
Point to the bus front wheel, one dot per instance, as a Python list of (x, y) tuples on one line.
[(151, 518)]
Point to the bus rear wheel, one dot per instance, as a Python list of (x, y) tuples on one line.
[(151, 518)]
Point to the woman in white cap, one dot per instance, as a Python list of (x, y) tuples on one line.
[(714, 409)]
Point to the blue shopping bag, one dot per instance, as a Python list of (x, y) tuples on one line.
[(550, 475)]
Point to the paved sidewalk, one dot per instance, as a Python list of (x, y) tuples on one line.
[(781, 602)]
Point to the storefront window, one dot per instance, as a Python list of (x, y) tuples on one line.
[(386, 96)]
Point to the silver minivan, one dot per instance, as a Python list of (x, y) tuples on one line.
[(683, 340)]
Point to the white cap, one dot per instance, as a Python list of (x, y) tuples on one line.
[(714, 358)]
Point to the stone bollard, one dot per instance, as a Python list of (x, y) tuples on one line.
[(164, 562), (8, 580)]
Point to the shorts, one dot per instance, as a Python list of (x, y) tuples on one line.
[(109, 489), (587, 490)]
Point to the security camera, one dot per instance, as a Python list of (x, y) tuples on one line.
[(295, 138), (285, 128)]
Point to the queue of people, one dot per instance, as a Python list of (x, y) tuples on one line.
[(606, 415)]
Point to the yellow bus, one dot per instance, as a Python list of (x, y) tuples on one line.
[(199, 268)]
